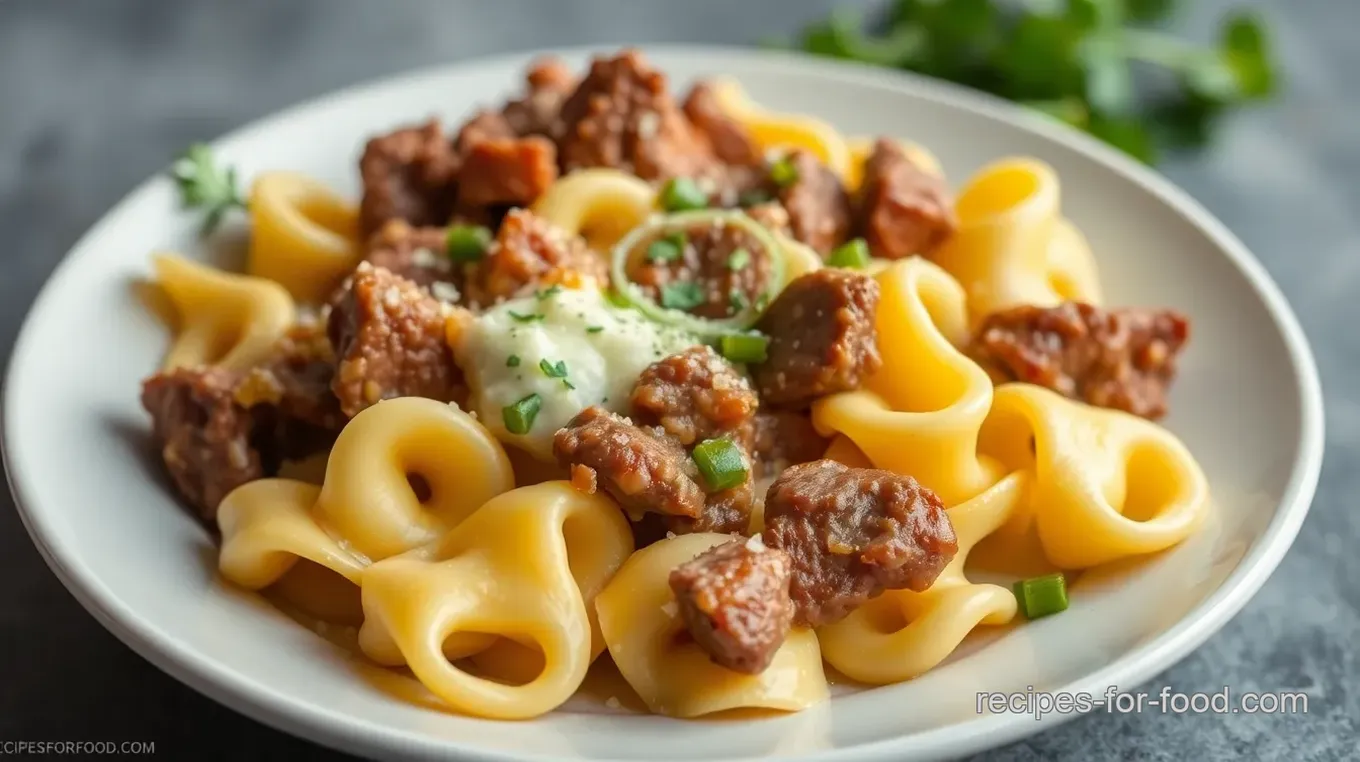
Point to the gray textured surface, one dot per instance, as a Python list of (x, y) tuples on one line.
[(96, 95)]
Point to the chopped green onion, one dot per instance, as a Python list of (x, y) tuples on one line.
[(1041, 596), (720, 462), (853, 253), (594, 328), (617, 299), (753, 198), (744, 347), (548, 293), (568, 384), (681, 296), (669, 248), (529, 318), (519, 417), (681, 194), (783, 173), (553, 371), (512, 361), (738, 259), (467, 243)]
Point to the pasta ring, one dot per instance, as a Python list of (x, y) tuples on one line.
[(225, 319)]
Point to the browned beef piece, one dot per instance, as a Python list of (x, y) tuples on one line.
[(642, 469), (731, 141), (773, 216), (709, 278), (786, 438), (529, 253), (389, 337), (819, 208), (725, 511), (1123, 359), (734, 600), (549, 82), (623, 116), (295, 381), (853, 533), (506, 172), (904, 210), (694, 395), (409, 174), (208, 441), (419, 255), (822, 338), (485, 125)]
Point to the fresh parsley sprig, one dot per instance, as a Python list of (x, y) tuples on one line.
[(1074, 60), (204, 185)]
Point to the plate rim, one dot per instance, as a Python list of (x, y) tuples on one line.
[(319, 724)]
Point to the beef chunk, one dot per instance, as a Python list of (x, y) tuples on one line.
[(709, 278), (822, 338), (623, 116), (409, 174), (694, 395), (731, 141), (295, 381), (549, 83), (419, 255), (506, 171), (773, 216), (1123, 359), (904, 210), (734, 599), (529, 252), (207, 439), (818, 206), (484, 126), (853, 533), (640, 468), (389, 336), (784, 438)]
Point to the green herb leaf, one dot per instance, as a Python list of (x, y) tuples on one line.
[(548, 293), (512, 361), (738, 259), (681, 296), (204, 185), (1069, 59), (551, 370), (529, 318), (1247, 51)]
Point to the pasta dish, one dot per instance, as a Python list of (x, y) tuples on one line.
[(711, 394)]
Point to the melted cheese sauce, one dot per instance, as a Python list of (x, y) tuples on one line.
[(572, 348)]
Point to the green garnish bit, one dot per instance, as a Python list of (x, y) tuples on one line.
[(467, 243), (594, 328), (681, 194), (853, 254), (529, 318), (681, 296), (783, 173), (551, 370), (512, 361), (744, 347), (720, 462), (519, 417), (1041, 596), (738, 259), (548, 293), (1071, 60), (667, 249), (204, 185), (568, 384)]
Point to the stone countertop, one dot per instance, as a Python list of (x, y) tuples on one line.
[(98, 95)]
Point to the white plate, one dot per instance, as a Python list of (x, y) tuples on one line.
[(1247, 404)]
